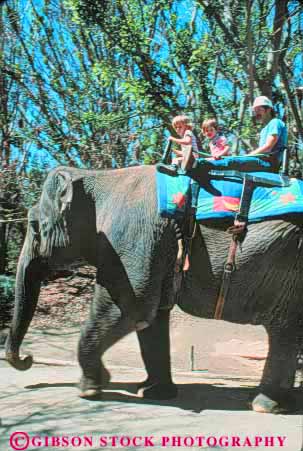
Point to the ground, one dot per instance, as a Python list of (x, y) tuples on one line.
[(215, 364)]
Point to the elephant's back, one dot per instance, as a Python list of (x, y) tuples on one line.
[(126, 188)]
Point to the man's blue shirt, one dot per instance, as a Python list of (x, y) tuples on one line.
[(274, 127)]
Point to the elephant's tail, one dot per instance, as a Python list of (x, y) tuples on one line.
[(55, 202)]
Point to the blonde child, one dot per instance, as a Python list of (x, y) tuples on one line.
[(183, 128), (187, 142), (218, 143)]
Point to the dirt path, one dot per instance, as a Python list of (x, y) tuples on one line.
[(212, 403), (210, 365)]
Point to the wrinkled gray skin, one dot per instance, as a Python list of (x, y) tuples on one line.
[(109, 219)]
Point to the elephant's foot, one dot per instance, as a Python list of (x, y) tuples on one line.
[(91, 388), (280, 403), (147, 383), (152, 390), (91, 394), (263, 404)]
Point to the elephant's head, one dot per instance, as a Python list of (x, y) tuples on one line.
[(47, 229)]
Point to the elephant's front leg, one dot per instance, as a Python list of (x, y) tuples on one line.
[(103, 328), (279, 372), (155, 350)]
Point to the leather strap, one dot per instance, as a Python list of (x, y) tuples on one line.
[(238, 230), (229, 268)]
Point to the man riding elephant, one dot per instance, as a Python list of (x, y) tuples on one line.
[(273, 136)]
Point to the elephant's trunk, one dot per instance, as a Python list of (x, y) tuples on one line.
[(27, 290), (28, 281), (18, 363)]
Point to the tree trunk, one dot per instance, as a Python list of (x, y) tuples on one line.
[(291, 99)]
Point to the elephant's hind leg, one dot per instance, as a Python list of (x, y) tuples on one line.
[(102, 329), (279, 373), (155, 351)]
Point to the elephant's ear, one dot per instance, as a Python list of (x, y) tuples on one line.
[(55, 201), (64, 191)]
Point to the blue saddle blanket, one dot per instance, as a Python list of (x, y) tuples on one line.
[(220, 199)]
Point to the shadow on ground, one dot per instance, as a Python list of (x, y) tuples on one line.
[(191, 397)]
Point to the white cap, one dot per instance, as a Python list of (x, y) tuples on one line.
[(262, 101)]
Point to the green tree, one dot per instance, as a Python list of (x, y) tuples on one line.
[(73, 107), (205, 57)]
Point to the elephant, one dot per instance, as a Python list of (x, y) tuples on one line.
[(109, 219)]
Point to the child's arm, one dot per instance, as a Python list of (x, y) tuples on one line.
[(186, 141), (223, 152)]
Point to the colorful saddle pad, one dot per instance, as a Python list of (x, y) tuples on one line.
[(220, 199)]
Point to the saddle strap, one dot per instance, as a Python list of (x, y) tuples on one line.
[(229, 268), (246, 197), (238, 235)]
